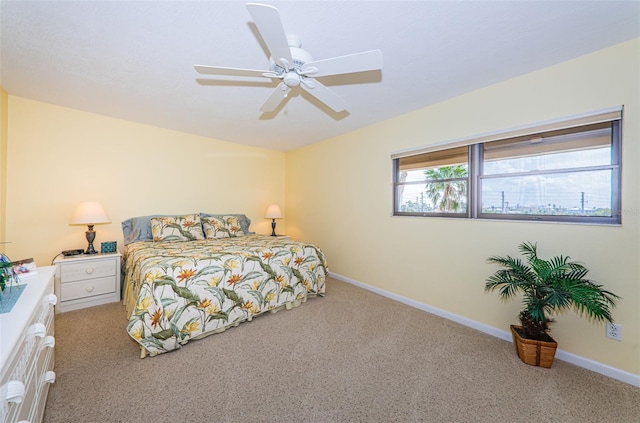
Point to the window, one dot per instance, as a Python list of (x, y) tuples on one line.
[(567, 174), (435, 183)]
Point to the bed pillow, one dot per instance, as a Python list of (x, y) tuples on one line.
[(137, 229), (243, 220), (222, 226), (177, 228)]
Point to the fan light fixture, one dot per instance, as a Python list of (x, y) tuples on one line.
[(273, 213), (90, 213)]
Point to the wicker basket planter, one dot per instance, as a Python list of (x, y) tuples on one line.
[(533, 352)]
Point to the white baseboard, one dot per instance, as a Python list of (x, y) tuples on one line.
[(577, 360)]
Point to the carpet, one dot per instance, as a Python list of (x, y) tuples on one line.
[(352, 356)]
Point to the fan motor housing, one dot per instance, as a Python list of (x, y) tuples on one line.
[(299, 56)]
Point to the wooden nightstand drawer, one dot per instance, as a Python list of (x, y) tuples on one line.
[(87, 288), (92, 269)]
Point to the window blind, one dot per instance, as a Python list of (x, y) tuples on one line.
[(524, 132), (592, 136)]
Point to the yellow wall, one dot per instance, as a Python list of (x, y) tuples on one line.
[(58, 157), (339, 196), (3, 163)]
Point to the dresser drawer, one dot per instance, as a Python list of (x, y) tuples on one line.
[(87, 288), (31, 385), (87, 270)]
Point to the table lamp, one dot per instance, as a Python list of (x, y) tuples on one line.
[(273, 212), (90, 213)]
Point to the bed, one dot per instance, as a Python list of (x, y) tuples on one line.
[(189, 276)]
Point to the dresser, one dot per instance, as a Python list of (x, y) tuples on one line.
[(27, 350), (87, 280)]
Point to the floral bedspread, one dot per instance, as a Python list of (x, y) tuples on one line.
[(185, 289)]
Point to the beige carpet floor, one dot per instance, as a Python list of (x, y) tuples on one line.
[(352, 356)]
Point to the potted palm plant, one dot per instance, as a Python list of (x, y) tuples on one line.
[(548, 286)]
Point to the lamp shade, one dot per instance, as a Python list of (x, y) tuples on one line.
[(89, 213), (273, 212)]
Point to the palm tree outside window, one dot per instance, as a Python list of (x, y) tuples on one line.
[(447, 188)]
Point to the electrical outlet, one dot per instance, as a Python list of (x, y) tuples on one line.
[(614, 331)]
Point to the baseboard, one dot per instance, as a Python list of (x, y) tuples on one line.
[(577, 360)]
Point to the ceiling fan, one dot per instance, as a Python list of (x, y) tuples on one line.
[(293, 65)]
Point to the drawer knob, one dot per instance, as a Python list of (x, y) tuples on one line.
[(89, 288), (50, 376), (14, 391), (51, 299), (38, 329), (49, 342), (90, 270)]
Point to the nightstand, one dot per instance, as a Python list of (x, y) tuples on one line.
[(87, 280)]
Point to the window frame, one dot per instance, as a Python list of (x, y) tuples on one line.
[(466, 214), (475, 176)]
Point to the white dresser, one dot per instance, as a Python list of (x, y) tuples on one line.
[(27, 350), (87, 280)]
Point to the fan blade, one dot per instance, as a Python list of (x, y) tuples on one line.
[(277, 96), (324, 94), (267, 20), (218, 70), (358, 62)]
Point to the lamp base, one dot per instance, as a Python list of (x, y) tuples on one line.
[(91, 235), (273, 228)]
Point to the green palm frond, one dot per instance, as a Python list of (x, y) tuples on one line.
[(516, 276), (528, 249), (535, 307), (591, 300)]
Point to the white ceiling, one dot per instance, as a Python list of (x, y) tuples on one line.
[(134, 59)]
